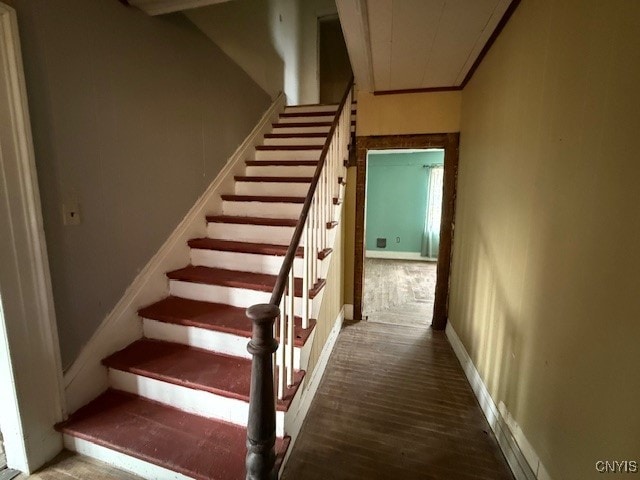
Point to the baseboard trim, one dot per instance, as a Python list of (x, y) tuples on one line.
[(87, 378), (348, 311), (524, 466), (398, 256), (309, 392)]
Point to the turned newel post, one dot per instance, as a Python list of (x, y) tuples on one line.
[(261, 429)]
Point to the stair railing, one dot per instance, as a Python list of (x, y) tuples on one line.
[(310, 238)]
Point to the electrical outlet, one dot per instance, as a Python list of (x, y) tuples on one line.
[(71, 214), (397, 239)]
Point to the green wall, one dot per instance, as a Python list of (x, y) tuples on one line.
[(397, 198)]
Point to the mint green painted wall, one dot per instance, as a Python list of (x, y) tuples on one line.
[(397, 198)]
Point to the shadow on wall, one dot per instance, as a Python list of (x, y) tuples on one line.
[(262, 36), (487, 317)]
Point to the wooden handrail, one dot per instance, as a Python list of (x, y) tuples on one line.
[(287, 263), (261, 428)]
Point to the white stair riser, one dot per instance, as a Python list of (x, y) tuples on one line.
[(281, 171), (310, 108), (305, 129), (262, 209), (280, 129), (245, 262), (272, 188), (307, 119), (211, 340), (120, 460), (287, 154), (311, 119), (198, 402), (238, 297), (295, 141), (250, 233)]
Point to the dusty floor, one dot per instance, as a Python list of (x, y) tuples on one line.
[(394, 404), (399, 291), (68, 466)]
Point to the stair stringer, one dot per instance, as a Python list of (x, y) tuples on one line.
[(87, 378)]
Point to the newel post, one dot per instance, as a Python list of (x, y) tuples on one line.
[(261, 429)]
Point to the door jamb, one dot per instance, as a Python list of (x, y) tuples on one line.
[(30, 368), (449, 142)]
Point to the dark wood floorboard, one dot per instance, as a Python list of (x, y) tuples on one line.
[(394, 404)]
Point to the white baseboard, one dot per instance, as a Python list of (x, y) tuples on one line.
[(87, 378), (398, 256), (310, 386), (348, 311), (520, 455)]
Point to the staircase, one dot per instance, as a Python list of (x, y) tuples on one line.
[(178, 401)]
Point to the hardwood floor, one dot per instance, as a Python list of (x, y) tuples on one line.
[(69, 466), (394, 404)]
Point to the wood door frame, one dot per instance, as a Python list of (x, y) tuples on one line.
[(449, 142), (32, 399)]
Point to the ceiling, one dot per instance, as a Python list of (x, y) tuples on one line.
[(417, 44)]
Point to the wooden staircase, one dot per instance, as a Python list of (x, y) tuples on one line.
[(178, 401)]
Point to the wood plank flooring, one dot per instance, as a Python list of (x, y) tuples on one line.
[(394, 404), (69, 466)]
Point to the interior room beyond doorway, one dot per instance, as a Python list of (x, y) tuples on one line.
[(402, 228)]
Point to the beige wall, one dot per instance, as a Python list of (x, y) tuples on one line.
[(309, 73), (406, 113), (332, 301), (132, 116), (274, 41), (261, 36), (546, 268)]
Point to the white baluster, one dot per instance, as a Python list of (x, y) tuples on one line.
[(282, 347), (289, 332), (305, 276)]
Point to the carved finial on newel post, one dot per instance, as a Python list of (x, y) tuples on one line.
[(261, 429)]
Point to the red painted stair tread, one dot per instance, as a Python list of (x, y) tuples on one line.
[(212, 316), (234, 278), (308, 114), (288, 147), (194, 446), (281, 163), (271, 222), (295, 135), (192, 368), (301, 124), (242, 247)]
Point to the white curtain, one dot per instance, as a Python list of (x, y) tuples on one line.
[(431, 236)]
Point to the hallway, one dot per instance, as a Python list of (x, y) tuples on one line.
[(394, 404)]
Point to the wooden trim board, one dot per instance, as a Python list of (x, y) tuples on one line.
[(447, 141), (30, 368)]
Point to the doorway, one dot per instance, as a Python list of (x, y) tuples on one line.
[(403, 208), (334, 67), (445, 141)]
